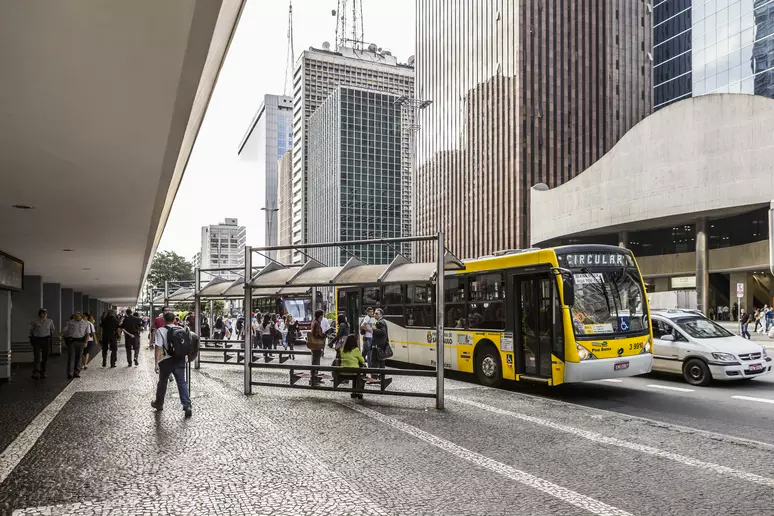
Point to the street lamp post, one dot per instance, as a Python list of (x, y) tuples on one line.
[(270, 229)]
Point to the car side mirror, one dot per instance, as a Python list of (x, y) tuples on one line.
[(668, 337)]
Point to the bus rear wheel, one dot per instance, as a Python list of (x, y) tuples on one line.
[(489, 368)]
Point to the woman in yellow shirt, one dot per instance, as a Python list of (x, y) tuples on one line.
[(352, 357)]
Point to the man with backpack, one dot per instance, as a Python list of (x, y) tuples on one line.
[(173, 346)]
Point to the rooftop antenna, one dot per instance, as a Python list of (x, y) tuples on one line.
[(291, 54), (356, 35)]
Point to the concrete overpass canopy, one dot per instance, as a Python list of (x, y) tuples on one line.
[(689, 189), (100, 106)]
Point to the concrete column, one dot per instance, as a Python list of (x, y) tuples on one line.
[(52, 301), (94, 308), (5, 336), (702, 265), (67, 304), (77, 302), (85, 302), (623, 239), (25, 308)]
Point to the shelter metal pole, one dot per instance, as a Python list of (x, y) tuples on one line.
[(439, 303), (211, 316), (166, 292), (197, 311), (248, 346)]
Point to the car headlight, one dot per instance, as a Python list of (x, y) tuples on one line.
[(763, 353), (724, 357)]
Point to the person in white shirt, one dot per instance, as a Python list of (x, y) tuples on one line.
[(41, 333), (76, 334), (367, 329), (167, 365)]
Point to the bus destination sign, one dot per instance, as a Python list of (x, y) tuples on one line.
[(11, 273), (595, 259)]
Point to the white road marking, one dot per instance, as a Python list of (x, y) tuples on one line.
[(611, 380), (573, 498), (750, 398), (655, 422), (612, 441), (670, 388), (15, 452)]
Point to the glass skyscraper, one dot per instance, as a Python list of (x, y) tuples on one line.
[(355, 174), (712, 46), (268, 138)]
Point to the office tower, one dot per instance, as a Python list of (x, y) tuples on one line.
[(318, 72), (523, 92), (355, 175), (223, 246), (267, 139), (716, 46), (285, 213)]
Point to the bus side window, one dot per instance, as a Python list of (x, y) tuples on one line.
[(420, 310)]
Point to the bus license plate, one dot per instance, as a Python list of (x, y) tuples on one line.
[(620, 366)]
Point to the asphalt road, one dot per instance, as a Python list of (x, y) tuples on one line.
[(740, 409)]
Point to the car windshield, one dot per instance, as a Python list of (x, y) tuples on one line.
[(701, 328), (609, 302)]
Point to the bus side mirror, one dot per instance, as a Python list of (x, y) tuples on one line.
[(568, 289)]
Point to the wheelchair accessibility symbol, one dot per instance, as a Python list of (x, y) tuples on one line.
[(623, 324)]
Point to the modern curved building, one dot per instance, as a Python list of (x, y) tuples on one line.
[(689, 189)]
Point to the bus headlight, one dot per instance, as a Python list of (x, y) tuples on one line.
[(583, 353)]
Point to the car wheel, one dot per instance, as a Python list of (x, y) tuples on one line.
[(696, 372), (488, 366)]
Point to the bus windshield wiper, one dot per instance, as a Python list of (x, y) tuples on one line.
[(600, 287)]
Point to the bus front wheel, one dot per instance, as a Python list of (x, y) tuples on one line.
[(489, 368)]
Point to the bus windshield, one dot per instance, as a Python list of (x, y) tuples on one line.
[(299, 307), (609, 302)]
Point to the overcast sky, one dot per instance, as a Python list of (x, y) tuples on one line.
[(217, 184)]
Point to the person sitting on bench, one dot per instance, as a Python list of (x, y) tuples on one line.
[(351, 357)]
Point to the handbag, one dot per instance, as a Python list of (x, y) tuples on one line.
[(384, 353)]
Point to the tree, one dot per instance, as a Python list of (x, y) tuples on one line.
[(169, 266)]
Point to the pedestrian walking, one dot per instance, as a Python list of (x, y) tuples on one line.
[(769, 318), (240, 327), (315, 341), (109, 325), (342, 332), (76, 334), (380, 349), (267, 333), (41, 334), (744, 321), (131, 330), (174, 347), (367, 331), (292, 330), (158, 322), (92, 339)]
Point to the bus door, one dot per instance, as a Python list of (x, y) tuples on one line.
[(352, 310), (531, 323)]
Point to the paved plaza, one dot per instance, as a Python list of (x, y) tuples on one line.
[(99, 449)]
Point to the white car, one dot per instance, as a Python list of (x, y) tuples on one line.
[(702, 351)]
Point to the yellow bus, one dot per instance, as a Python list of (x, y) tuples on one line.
[(559, 315)]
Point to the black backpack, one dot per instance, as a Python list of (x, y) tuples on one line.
[(179, 342)]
